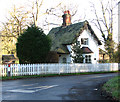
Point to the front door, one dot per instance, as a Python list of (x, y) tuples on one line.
[(64, 60)]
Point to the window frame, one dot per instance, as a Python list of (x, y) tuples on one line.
[(84, 41), (88, 59)]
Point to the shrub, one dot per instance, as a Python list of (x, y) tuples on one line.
[(33, 46)]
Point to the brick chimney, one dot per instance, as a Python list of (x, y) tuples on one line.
[(66, 18)]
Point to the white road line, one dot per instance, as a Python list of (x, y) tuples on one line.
[(27, 90), (47, 87), (30, 84), (22, 90), (38, 87)]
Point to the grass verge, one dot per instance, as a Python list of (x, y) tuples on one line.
[(112, 88), (51, 75)]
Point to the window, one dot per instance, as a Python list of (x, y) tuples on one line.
[(87, 58), (64, 60), (78, 43), (84, 41)]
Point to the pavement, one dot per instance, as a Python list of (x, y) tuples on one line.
[(66, 88)]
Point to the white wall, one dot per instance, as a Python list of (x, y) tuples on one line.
[(67, 56), (92, 44)]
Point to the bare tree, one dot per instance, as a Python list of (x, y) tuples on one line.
[(36, 11), (51, 16), (57, 12), (21, 17), (104, 21), (12, 28)]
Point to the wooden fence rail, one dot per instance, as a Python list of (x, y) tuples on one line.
[(37, 69)]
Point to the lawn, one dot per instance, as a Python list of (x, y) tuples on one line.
[(112, 88)]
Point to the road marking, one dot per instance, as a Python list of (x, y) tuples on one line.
[(95, 89), (31, 90), (99, 76), (29, 84), (47, 87), (21, 90)]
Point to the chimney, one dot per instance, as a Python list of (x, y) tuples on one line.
[(66, 18), (119, 22)]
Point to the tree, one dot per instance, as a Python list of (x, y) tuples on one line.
[(36, 11), (33, 45), (12, 28), (77, 57), (54, 14), (104, 22), (117, 54)]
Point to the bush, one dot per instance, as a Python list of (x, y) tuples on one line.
[(78, 57), (103, 61), (33, 46), (117, 54)]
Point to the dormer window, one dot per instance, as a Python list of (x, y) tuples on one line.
[(84, 41)]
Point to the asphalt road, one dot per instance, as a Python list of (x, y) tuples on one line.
[(81, 87)]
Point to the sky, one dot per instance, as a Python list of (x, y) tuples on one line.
[(83, 8), (6, 5)]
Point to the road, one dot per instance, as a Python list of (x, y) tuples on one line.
[(80, 87)]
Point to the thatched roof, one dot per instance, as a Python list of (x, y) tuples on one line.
[(66, 35)]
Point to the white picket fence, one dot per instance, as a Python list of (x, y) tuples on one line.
[(37, 69)]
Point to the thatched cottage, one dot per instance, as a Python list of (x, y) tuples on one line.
[(63, 38)]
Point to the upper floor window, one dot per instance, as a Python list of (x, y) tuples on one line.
[(84, 41)]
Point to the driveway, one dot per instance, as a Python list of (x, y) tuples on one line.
[(80, 87)]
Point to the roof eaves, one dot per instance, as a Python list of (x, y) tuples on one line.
[(86, 50)]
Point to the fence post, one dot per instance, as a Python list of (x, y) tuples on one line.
[(59, 68), (3, 73), (44, 67), (33, 69), (1, 68), (67, 68), (75, 66), (4, 68), (118, 66), (37, 69), (8, 70)]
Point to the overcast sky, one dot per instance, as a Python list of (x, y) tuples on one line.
[(83, 8), (6, 5)]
